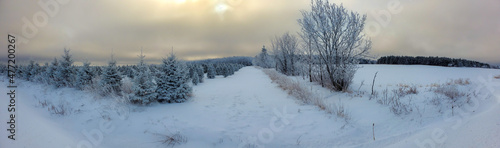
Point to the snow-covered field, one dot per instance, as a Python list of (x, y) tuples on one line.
[(248, 110)]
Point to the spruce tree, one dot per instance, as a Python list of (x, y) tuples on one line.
[(111, 79), (145, 89), (200, 73), (211, 71), (172, 84), (29, 71), (51, 72), (194, 76), (65, 72), (225, 70), (84, 76)]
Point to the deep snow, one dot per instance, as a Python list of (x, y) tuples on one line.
[(248, 110)]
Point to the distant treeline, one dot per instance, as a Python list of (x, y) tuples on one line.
[(246, 61), (434, 61)]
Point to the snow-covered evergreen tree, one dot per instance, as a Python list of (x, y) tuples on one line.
[(27, 73), (263, 59), (35, 72), (201, 74), (41, 77), (51, 72), (111, 79), (84, 76), (145, 88), (225, 70), (211, 71), (65, 71), (194, 75), (172, 84)]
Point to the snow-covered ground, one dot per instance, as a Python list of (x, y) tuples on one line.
[(248, 110)]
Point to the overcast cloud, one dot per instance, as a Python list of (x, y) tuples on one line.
[(199, 29)]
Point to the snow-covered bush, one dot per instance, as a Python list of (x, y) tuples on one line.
[(172, 85), (127, 87)]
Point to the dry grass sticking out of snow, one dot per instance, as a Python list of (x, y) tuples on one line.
[(172, 139), (60, 108), (451, 96), (497, 77), (398, 101), (304, 95), (400, 98)]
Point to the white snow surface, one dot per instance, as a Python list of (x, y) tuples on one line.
[(248, 110)]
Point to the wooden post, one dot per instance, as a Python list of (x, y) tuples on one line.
[(373, 131)]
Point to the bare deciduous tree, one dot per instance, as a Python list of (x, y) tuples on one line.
[(335, 34), (285, 53)]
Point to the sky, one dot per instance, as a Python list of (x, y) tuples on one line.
[(201, 29)]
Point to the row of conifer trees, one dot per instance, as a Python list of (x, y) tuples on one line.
[(168, 82)]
